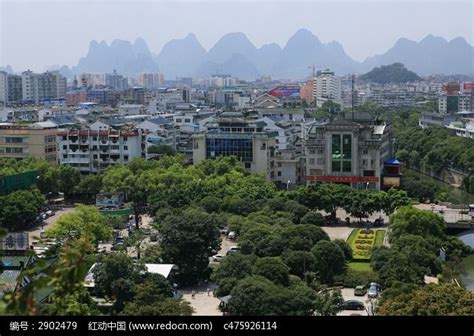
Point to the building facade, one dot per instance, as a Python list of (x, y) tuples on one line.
[(23, 142), (327, 86), (93, 151), (151, 80), (116, 81), (348, 152), (231, 134)]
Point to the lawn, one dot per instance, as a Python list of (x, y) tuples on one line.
[(360, 266), (379, 237)]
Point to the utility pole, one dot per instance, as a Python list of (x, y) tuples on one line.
[(352, 95)]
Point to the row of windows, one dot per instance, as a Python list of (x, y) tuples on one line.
[(241, 148)]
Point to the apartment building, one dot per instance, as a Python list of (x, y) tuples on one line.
[(34, 141), (92, 151)]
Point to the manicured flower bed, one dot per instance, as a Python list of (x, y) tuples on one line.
[(362, 241)]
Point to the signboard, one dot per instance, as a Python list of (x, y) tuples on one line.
[(389, 182), (19, 181), (15, 242), (109, 200), (327, 178), (285, 91), (451, 88), (468, 87)]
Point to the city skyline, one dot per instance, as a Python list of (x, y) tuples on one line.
[(364, 31)]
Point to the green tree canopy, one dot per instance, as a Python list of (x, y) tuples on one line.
[(84, 221)]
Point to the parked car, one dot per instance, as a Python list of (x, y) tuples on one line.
[(353, 305), (233, 250), (373, 290), (232, 235), (50, 213), (224, 231), (218, 257), (360, 291)]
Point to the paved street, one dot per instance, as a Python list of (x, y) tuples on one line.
[(450, 215), (34, 233)]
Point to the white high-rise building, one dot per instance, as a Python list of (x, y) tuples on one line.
[(327, 86), (3, 88), (48, 85), (29, 87), (116, 81), (151, 80)]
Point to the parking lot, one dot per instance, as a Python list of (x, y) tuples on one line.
[(348, 294)]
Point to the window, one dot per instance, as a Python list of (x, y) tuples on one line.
[(179, 120), (248, 165), (365, 151), (64, 147), (64, 156), (346, 166), (187, 120), (312, 161), (264, 146), (320, 151), (279, 164), (125, 147), (341, 153), (320, 161), (279, 173)]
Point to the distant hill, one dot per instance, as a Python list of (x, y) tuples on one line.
[(235, 54), (432, 55), (181, 57), (127, 58), (394, 73)]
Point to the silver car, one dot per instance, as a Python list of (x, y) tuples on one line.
[(373, 291)]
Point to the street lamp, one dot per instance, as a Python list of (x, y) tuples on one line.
[(288, 185)]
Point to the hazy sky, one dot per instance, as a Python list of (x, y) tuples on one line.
[(35, 34)]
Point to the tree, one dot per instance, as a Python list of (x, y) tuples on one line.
[(84, 221), (328, 303), (161, 149), (393, 266), (69, 177), (153, 297), (64, 279), (299, 262), (329, 260), (89, 186), (115, 276), (409, 220), (210, 204), (250, 297), (272, 268), (258, 296), (313, 217), (346, 249), (394, 199), (430, 300), (19, 208), (303, 237), (188, 240), (230, 270)]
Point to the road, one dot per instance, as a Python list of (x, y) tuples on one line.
[(450, 215), (34, 233)]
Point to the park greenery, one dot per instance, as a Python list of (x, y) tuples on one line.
[(286, 260)]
